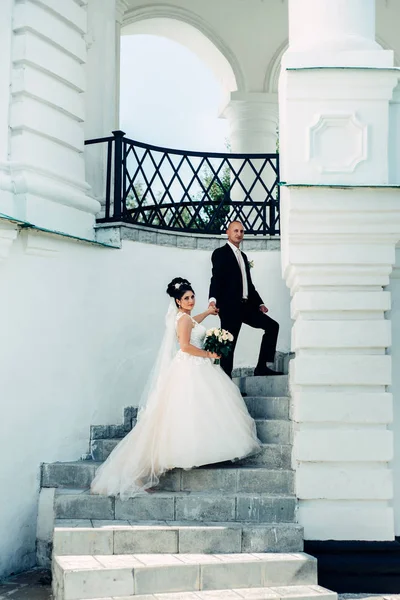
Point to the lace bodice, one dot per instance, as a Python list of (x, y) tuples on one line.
[(196, 339), (198, 332)]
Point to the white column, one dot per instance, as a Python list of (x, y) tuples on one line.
[(102, 93), (6, 195), (5, 73), (253, 128), (394, 137), (394, 316), (340, 224), (121, 8), (46, 117), (8, 231), (253, 122), (320, 29)]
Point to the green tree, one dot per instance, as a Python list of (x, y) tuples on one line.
[(138, 197), (218, 193), (215, 188)]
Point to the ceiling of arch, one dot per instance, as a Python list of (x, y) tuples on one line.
[(242, 47)]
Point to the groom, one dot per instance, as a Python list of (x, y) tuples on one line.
[(233, 292)]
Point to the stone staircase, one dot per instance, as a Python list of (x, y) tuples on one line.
[(221, 531)]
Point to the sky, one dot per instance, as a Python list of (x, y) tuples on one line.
[(169, 97)]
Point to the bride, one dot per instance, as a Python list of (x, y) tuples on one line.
[(191, 413)]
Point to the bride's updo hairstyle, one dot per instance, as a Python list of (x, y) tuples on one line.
[(178, 287)]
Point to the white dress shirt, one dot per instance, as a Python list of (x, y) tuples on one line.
[(239, 257)]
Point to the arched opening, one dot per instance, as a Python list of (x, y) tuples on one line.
[(173, 99), (182, 81), (193, 39), (158, 178)]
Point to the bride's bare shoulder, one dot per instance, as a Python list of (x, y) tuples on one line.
[(188, 319), (180, 314)]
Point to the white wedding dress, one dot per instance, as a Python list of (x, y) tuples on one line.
[(197, 417)]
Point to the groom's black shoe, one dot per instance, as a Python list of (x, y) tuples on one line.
[(265, 371)]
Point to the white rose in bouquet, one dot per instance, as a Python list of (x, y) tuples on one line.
[(218, 341)]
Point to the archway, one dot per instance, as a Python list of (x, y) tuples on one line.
[(188, 30), (157, 176)]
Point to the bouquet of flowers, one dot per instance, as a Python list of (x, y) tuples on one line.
[(218, 341)]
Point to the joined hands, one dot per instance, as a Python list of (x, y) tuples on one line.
[(212, 309)]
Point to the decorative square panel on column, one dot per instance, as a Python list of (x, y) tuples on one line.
[(337, 142)]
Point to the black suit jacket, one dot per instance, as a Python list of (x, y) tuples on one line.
[(226, 281)]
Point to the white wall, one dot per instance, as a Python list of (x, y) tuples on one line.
[(395, 352), (80, 330)]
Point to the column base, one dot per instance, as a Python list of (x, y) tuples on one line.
[(46, 201), (360, 520), (337, 254)]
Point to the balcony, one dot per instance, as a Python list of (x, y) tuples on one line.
[(186, 191)]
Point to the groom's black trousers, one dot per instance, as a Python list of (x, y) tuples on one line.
[(250, 315)]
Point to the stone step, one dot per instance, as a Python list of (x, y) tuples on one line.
[(212, 478), (292, 592), (264, 386), (102, 432), (99, 432), (177, 506), (273, 408), (94, 577), (269, 432), (82, 537), (281, 363), (274, 431), (261, 407), (272, 456)]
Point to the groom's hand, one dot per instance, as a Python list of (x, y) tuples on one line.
[(263, 309), (212, 308)]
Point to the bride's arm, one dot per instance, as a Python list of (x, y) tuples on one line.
[(211, 310), (184, 330)]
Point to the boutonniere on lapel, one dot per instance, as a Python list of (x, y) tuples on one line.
[(251, 264)]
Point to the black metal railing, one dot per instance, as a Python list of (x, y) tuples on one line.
[(196, 192)]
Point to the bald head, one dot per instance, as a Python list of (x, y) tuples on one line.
[(235, 233)]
